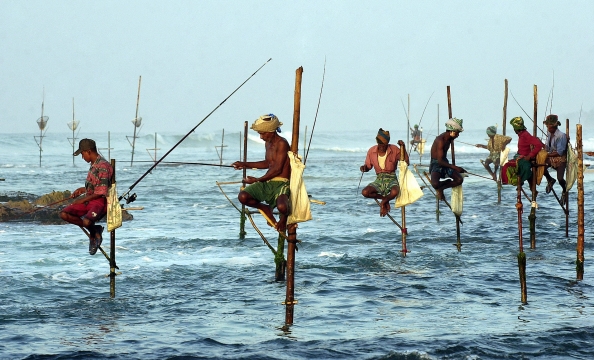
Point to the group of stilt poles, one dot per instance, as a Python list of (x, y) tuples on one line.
[(564, 203)]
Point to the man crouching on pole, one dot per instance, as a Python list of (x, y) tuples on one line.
[(272, 187)]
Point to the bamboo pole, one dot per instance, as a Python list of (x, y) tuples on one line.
[(242, 232), (437, 212), (135, 121), (521, 254), (566, 175), (580, 205), (532, 217), (112, 249), (292, 228), (458, 242), (403, 210), (499, 185)]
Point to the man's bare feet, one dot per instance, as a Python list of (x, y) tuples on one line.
[(384, 208)]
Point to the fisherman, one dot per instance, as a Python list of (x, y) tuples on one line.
[(86, 211), (440, 166), (416, 135), (384, 158), (496, 145), (273, 186), (556, 147), (528, 147)]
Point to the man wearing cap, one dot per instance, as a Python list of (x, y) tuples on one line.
[(384, 158), (273, 186), (528, 147), (93, 206), (496, 145), (556, 147), (440, 167)]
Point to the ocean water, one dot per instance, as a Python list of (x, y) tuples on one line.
[(191, 289)]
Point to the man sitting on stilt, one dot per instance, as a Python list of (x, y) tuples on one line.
[(440, 166), (272, 187)]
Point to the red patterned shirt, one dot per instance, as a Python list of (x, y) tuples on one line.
[(99, 177), (393, 155)]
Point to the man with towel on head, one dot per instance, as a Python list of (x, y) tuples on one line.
[(440, 166), (384, 158), (496, 145), (556, 147), (273, 186)]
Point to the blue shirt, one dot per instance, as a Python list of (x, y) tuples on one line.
[(557, 142)]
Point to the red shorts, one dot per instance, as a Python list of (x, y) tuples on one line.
[(94, 210)]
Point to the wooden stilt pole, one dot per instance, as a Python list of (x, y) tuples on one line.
[(242, 219), (458, 242), (112, 247), (566, 204), (521, 254), (437, 212), (499, 185), (580, 206), (403, 210), (135, 122), (292, 228), (532, 216)]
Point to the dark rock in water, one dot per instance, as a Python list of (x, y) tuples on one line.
[(21, 207)]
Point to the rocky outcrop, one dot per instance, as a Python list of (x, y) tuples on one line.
[(45, 209)]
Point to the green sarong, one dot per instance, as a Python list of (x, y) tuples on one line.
[(384, 183), (268, 191)]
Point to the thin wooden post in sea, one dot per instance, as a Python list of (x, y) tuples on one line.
[(112, 247), (42, 123), (136, 122), (580, 205), (499, 185), (565, 205), (242, 232), (521, 254), (292, 228), (458, 242), (532, 216), (437, 212), (73, 125), (403, 210)]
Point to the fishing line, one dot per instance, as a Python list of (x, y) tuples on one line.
[(48, 205), (538, 127), (132, 197), (421, 120), (185, 163), (316, 117)]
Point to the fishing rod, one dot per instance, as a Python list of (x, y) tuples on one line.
[(538, 127), (316, 117), (48, 205), (132, 197), (185, 163), (488, 178)]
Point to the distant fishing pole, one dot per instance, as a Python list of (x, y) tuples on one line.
[(421, 120), (316, 117), (132, 197), (488, 178), (538, 127), (185, 163)]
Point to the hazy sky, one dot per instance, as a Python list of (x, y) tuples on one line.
[(192, 54)]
